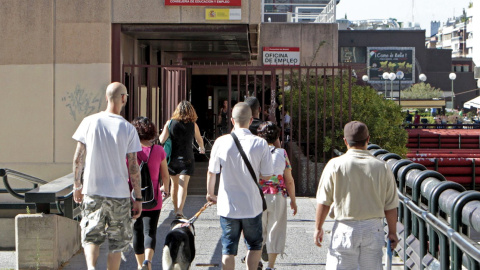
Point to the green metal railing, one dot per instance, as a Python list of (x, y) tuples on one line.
[(435, 217)]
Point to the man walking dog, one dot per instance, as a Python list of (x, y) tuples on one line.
[(362, 190), (239, 201)]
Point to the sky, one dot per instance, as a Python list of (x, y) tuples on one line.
[(424, 10)]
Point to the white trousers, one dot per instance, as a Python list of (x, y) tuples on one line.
[(274, 221), (356, 244)]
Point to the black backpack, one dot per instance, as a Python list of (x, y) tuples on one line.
[(146, 185)]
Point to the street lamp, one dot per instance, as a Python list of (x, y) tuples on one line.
[(385, 77), (365, 78), (400, 76), (422, 77), (392, 76), (452, 77)]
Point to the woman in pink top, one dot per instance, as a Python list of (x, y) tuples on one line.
[(145, 227)]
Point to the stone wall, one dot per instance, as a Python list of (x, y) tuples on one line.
[(303, 171)]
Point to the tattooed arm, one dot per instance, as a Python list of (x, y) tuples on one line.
[(135, 179), (78, 165)]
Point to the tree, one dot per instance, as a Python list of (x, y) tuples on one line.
[(383, 117), (422, 91)]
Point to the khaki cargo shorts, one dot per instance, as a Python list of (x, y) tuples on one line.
[(106, 218)]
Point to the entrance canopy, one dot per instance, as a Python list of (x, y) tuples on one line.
[(220, 43), (472, 103)]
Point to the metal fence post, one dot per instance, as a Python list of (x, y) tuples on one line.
[(433, 208), (416, 187), (395, 168), (68, 207), (406, 232), (456, 221)]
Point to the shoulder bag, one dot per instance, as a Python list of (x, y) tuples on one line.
[(167, 145), (250, 169)]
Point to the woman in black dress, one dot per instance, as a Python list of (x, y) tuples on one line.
[(183, 130)]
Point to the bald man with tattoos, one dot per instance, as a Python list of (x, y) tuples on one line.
[(104, 140)]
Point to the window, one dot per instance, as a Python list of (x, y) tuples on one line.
[(353, 55)]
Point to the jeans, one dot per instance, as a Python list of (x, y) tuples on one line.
[(232, 229)]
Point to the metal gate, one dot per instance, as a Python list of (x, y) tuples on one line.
[(309, 103), (154, 91)]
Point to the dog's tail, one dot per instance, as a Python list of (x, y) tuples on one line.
[(167, 262)]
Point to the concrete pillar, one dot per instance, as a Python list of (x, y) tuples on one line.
[(45, 241)]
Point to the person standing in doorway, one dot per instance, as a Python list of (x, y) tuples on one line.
[(239, 198), (104, 140), (223, 118), (182, 130), (358, 233), (145, 227)]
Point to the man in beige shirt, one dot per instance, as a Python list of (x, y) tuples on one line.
[(362, 191)]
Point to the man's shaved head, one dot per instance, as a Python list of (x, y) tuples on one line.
[(242, 114), (115, 91)]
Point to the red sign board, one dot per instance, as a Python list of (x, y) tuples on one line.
[(216, 3), (281, 49)]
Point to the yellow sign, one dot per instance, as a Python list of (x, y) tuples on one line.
[(223, 14)]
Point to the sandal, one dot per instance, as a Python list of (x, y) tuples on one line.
[(145, 264), (180, 216)]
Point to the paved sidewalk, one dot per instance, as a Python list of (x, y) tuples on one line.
[(301, 253)]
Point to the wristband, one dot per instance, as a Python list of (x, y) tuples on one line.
[(139, 199), (78, 188)]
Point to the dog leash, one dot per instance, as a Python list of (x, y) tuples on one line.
[(194, 218)]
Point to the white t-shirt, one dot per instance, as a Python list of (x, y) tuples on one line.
[(108, 138), (238, 195)]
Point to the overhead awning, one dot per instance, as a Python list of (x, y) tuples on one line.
[(421, 103), (472, 103)]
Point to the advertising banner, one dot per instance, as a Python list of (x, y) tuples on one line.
[(212, 14), (215, 3), (281, 56), (391, 59)]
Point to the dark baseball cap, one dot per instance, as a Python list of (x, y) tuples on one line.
[(355, 131)]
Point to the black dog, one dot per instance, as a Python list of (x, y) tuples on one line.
[(179, 248)]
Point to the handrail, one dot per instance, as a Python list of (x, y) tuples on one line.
[(4, 173), (40, 206), (420, 215), (465, 245), (32, 179)]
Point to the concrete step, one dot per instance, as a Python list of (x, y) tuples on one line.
[(198, 181)]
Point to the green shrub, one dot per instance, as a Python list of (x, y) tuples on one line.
[(383, 117), (422, 91)]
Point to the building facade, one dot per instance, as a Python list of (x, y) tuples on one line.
[(57, 57), (436, 64), (457, 35)]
